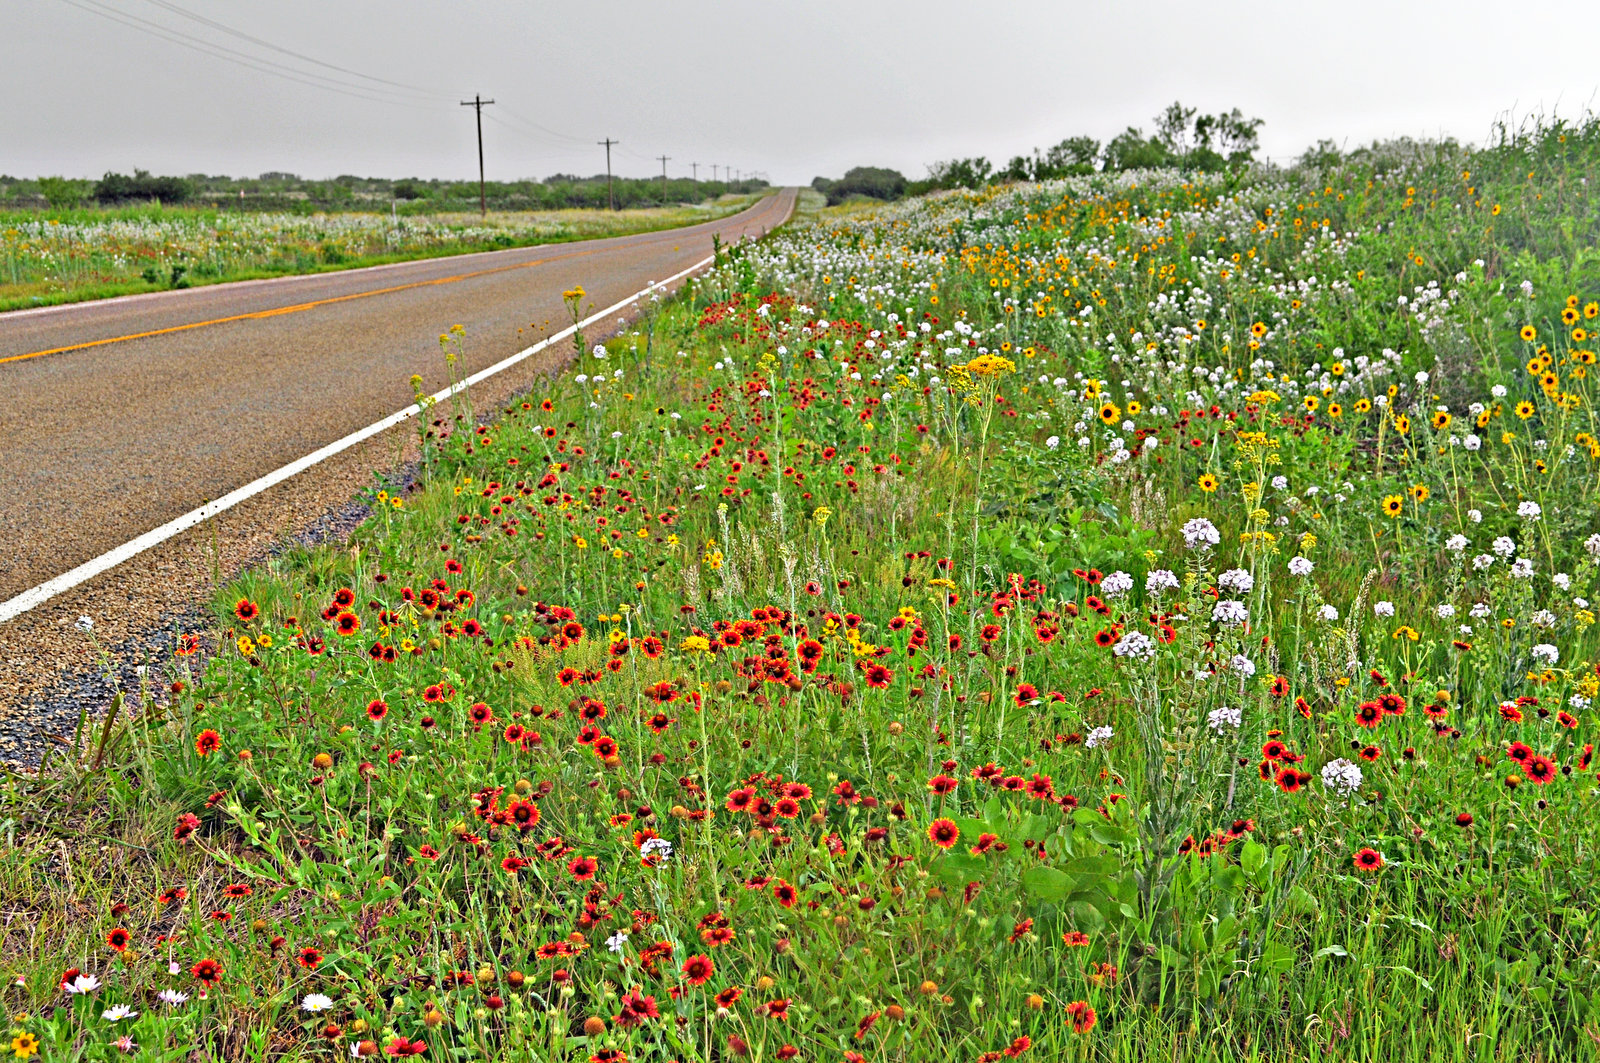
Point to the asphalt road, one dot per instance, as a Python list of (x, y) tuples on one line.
[(101, 443)]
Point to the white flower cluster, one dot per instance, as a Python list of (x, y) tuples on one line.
[(1135, 644), (1116, 585), (1225, 717), (1341, 776), (1546, 653), (1200, 534), (1229, 612), (1098, 737), (1236, 581), (1300, 566), (1160, 579), (657, 847)]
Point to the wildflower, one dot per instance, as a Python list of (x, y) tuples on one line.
[(1300, 566), (1098, 737), (697, 970), (24, 1045), (82, 985), (1200, 534), (1382, 608), (1116, 584), (315, 1002), (1230, 613), (1225, 717), (943, 833), (1236, 581), (1135, 644), (1081, 1015), (1368, 860), (172, 998), (1159, 580), (1341, 776), (118, 1013), (401, 1046)]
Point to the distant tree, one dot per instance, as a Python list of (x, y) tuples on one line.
[(120, 188), (1323, 155), (407, 189), (1074, 155), (1172, 128), (1238, 137), (961, 173), (1132, 150), (1185, 137), (63, 193)]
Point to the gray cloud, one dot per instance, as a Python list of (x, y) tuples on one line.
[(790, 88)]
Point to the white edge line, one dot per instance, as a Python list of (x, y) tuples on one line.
[(36, 596)]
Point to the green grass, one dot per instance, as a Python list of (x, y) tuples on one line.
[(112, 250), (934, 587)]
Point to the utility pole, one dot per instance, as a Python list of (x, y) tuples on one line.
[(663, 159), (694, 168), (713, 173), (610, 198), (478, 103)]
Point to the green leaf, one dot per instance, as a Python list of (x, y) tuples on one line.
[(1253, 857), (1046, 883), (1330, 950)]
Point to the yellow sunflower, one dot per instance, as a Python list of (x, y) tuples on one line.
[(1393, 506)]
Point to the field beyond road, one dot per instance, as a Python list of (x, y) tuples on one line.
[(77, 255)]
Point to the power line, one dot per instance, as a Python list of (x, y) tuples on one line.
[(543, 129), (214, 24), (218, 51)]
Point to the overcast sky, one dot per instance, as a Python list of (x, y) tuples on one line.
[(794, 88)]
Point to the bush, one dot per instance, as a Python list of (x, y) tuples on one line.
[(120, 188)]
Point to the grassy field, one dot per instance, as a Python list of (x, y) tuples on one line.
[(1139, 616), (70, 256)]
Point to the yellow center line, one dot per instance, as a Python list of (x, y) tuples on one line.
[(296, 307), (256, 315)]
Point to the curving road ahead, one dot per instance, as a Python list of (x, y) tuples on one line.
[(118, 416)]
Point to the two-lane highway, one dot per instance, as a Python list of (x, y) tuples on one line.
[(118, 416)]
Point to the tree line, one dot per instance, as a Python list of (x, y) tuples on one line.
[(1183, 138), (290, 192)]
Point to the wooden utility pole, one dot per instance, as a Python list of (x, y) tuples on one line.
[(663, 159), (610, 198), (478, 103), (694, 168)]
